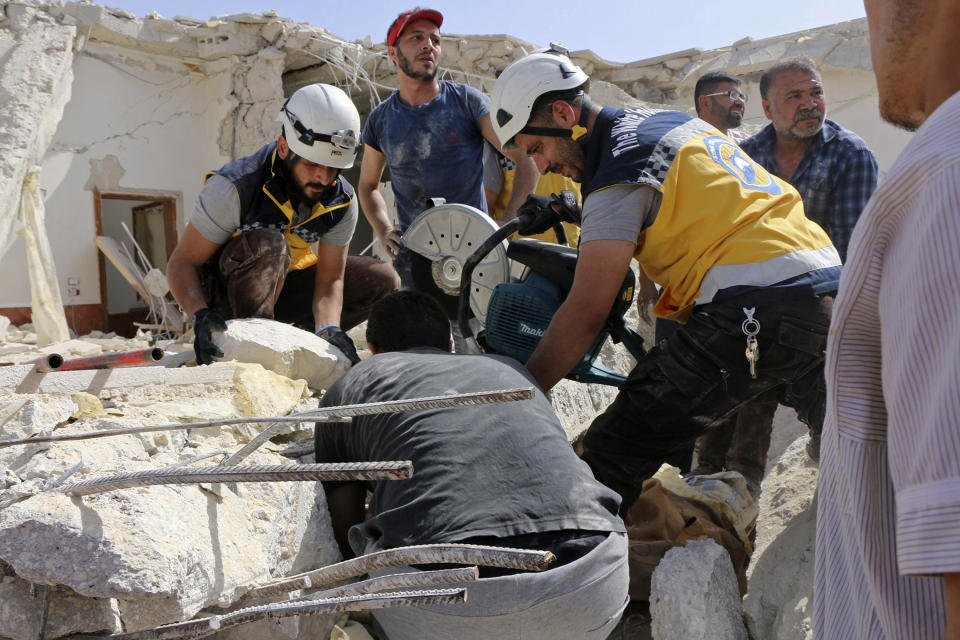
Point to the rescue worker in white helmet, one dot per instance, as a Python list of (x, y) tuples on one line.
[(269, 233), (749, 276)]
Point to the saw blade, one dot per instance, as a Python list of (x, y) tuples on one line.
[(446, 235), (424, 280)]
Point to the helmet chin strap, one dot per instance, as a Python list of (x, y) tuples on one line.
[(578, 131)]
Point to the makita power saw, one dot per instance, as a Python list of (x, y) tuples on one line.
[(502, 297)]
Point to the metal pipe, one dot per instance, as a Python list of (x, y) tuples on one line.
[(48, 363), (340, 471), (469, 554), (114, 360), (208, 626), (331, 414)]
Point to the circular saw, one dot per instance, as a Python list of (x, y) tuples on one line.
[(440, 240)]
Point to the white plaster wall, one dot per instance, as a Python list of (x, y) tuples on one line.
[(134, 124)]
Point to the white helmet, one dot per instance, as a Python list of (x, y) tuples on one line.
[(520, 84), (321, 124)]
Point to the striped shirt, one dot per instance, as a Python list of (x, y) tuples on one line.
[(888, 519)]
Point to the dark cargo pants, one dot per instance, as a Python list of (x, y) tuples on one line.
[(699, 376), (248, 278)]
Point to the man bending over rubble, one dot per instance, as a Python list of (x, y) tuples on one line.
[(247, 250), (496, 474), (751, 278)]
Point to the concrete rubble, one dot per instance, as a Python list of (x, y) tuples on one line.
[(135, 558), (283, 349), (694, 595)]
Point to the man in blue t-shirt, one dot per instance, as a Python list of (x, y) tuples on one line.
[(430, 134)]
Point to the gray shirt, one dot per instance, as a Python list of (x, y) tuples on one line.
[(619, 212), (216, 214), (491, 470)]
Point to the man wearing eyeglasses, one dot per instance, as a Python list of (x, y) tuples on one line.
[(430, 133), (720, 102), (269, 234), (832, 167)]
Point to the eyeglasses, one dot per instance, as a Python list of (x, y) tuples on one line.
[(344, 138), (733, 94)]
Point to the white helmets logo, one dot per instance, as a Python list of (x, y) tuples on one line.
[(520, 84), (321, 124)]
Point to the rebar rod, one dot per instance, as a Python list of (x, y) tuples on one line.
[(404, 581), (258, 441), (340, 471), (468, 554), (333, 414), (208, 626)]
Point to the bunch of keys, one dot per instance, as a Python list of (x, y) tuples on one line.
[(750, 329)]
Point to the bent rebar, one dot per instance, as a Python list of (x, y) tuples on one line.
[(213, 624), (404, 581), (342, 471), (469, 554)]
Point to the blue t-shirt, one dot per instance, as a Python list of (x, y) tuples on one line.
[(432, 150)]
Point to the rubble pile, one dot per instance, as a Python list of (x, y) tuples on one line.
[(136, 558)]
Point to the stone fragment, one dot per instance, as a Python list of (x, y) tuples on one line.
[(283, 349), (780, 578), (166, 552), (69, 613), (694, 595)]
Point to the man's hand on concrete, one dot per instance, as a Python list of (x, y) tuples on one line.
[(339, 338), (205, 322)]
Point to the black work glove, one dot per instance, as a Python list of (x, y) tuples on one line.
[(539, 213), (205, 322), (339, 338)]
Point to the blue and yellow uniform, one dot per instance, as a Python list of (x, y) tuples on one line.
[(265, 204), (728, 242), (725, 229)]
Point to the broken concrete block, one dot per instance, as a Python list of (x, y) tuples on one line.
[(283, 349), (23, 416), (166, 552), (780, 578), (69, 613), (694, 595)]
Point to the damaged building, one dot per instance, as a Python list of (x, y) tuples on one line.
[(109, 123)]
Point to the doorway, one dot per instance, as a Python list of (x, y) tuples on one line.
[(151, 220)]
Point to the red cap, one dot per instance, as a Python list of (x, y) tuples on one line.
[(409, 16)]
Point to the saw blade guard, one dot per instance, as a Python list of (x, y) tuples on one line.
[(447, 235)]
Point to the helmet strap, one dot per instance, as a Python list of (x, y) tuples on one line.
[(578, 131)]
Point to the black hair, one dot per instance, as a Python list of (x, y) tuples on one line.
[(710, 81), (543, 106), (800, 63), (407, 319)]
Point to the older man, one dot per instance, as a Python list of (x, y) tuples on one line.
[(888, 519), (832, 167)]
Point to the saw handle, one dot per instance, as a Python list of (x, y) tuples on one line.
[(537, 211), (466, 276)]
